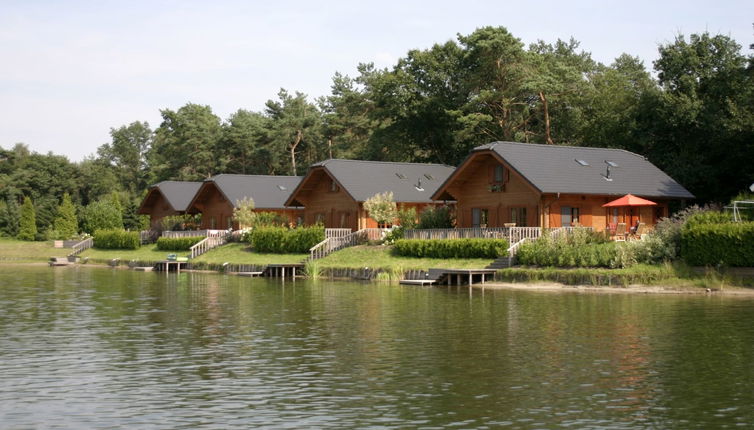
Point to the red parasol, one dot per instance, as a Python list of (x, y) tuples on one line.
[(629, 200)]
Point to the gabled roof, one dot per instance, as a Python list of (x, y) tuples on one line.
[(409, 182), (583, 170), (177, 193), (268, 192)]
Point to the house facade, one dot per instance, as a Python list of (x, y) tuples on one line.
[(521, 184), (167, 198), (333, 192), (217, 197)]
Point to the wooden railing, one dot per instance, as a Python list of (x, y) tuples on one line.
[(148, 236), (513, 234), (337, 232), (320, 250), (81, 246), (194, 233), (456, 233), (332, 244), (208, 243), (557, 232)]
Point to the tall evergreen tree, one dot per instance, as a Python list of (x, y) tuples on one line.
[(10, 217), (66, 222), (28, 223)]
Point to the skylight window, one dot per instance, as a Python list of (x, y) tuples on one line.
[(428, 176), (282, 187), (400, 175), (611, 163), (582, 162)]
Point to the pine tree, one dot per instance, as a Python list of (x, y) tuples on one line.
[(9, 218), (28, 223), (66, 223)]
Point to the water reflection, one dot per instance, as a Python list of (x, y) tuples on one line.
[(83, 347)]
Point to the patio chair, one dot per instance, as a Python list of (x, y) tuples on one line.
[(620, 232), (640, 230)]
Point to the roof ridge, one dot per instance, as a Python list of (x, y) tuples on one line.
[(491, 145), (324, 162), (255, 176)]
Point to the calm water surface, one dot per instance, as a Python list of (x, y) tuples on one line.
[(101, 348)]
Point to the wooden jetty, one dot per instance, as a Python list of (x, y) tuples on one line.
[(282, 270), (452, 277), (165, 265), (249, 274), (58, 261)]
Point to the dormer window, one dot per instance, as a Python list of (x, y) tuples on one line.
[(498, 178), (499, 175)]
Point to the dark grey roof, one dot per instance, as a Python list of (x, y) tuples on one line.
[(178, 193), (555, 169), (268, 192), (409, 182)]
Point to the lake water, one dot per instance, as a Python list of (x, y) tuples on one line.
[(101, 348)]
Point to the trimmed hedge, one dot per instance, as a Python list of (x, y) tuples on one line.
[(452, 248), (280, 240), (730, 244), (178, 243), (116, 239)]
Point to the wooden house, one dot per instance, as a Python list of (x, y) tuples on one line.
[(219, 195), (334, 191), (167, 198), (551, 186)]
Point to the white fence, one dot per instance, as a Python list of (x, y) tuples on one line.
[(208, 243), (513, 234), (332, 244), (337, 232), (195, 233), (81, 247)]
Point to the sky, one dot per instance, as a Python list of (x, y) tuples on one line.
[(72, 70)]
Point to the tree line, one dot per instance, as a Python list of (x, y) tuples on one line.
[(693, 118)]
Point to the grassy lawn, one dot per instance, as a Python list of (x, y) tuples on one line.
[(381, 257), (145, 253), (673, 275), (235, 253), (20, 251), (239, 253)]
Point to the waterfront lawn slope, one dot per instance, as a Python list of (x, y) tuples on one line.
[(21, 251), (673, 275), (241, 253), (384, 257)]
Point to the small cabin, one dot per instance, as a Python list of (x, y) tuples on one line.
[(218, 196), (167, 198), (532, 185), (333, 192)]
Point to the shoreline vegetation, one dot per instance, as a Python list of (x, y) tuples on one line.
[(662, 278)]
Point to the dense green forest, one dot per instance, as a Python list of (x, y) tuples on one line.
[(694, 118)]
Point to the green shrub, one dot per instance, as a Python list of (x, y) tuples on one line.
[(730, 244), (280, 240), (436, 217), (708, 217), (178, 243), (581, 248), (116, 239), (452, 248)]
